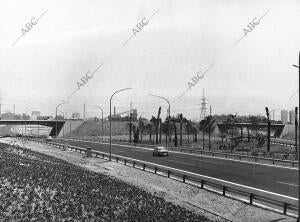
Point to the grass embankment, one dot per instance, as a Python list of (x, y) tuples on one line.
[(37, 187)]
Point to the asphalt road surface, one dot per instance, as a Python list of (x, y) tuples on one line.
[(281, 180)]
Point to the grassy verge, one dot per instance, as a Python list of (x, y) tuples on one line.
[(37, 187)]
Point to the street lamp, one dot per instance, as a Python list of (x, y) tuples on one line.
[(56, 117), (99, 107), (299, 138), (110, 119), (167, 114)]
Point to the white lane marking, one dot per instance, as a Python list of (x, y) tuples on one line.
[(181, 162), (220, 180), (212, 157), (206, 161), (290, 184)]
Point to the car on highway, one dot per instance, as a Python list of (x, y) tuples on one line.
[(160, 151), (49, 139)]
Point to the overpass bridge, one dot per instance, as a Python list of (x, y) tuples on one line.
[(55, 124)]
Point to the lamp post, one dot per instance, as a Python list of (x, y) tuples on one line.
[(110, 118), (56, 117), (299, 138), (269, 130), (99, 107), (297, 154), (297, 116), (169, 117)]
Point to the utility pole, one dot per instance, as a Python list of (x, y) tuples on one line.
[(157, 125), (209, 146), (296, 128), (269, 129), (297, 154), (130, 127), (83, 111), (232, 126), (180, 139)]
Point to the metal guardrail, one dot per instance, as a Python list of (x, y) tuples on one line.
[(217, 154), (283, 144), (241, 157), (254, 196)]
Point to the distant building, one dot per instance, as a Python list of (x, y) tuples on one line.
[(7, 115), (292, 116), (75, 115), (36, 113), (284, 116)]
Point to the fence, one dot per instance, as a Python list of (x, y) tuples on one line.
[(250, 195)]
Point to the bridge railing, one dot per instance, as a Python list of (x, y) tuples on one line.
[(253, 196)]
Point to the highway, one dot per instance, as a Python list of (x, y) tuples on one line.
[(281, 180)]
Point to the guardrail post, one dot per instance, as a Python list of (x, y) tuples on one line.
[(155, 170), (102, 155), (285, 205), (273, 161), (183, 178), (133, 164), (144, 166), (251, 198), (202, 184), (117, 159), (169, 173), (125, 162), (224, 190)]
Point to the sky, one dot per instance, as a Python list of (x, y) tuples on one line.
[(177, 40)]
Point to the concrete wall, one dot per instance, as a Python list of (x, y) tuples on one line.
[(289, 131), (69, 126)]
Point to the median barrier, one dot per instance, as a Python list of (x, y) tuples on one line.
[(254, 196), (241, 157)]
